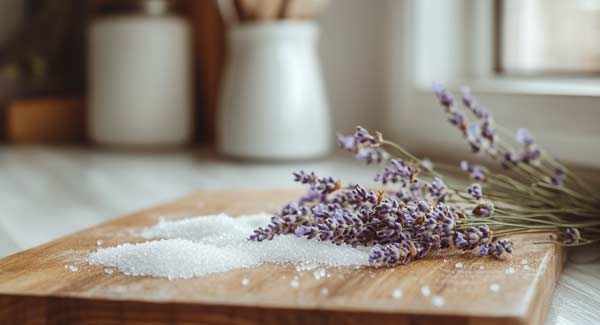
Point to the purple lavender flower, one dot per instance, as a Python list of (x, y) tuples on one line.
[(467, 98), (531, 153), (484, 250), (437, 189), (457, 118), (558, 178), (363, 145), (347, 142), (370, 155), (303, 177), (506, 244), (397, 171), (473, 136), (446, 98), (311, 196), (487, 131), (470, 102), (390, 254), (524, 137), (476, 172), (508, 159), (572, 236), (306, 231), (475, 191), (363, 136), (483, 209), (459, 241), (498, 248), (325, 185)]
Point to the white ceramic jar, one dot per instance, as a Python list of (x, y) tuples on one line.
[(139, 75), (273, 102)]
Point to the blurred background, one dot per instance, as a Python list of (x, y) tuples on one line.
[(107, 106)]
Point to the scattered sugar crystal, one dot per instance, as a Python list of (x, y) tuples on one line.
[(318, 274), (73, 268), (425, 291), (481, 267), (397, 294), (245, 281), (510, 270), (324, 291), (495, 287), (99, 242), (295, 283), (458, 265), (526, 267), (445, 261), (524, 262), (438, 301), (108, 271), (203, 245), (306, 266), (66, 266)]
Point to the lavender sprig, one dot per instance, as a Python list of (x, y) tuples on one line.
[(417, 212)]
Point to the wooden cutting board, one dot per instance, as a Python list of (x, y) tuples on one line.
[(35, 286)]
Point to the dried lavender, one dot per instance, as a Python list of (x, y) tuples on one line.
[(416, 212)]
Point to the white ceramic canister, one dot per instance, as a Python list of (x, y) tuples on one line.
[(139, 75), (273, 102)]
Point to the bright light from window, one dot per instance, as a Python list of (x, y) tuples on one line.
[(549, 37)]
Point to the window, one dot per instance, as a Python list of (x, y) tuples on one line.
[(548, 37), (484, 44)]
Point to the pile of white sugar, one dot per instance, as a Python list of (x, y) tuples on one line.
[(208, 244)]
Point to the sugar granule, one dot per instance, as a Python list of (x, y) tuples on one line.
[(295, 283), (510, 270), (204, 245), (324, 291), (438, 301), (245, 281), (458, 265), (425, 291), (397, 294), (494, 287)]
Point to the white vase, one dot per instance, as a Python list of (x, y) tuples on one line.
[(273, 102), (140, 92)]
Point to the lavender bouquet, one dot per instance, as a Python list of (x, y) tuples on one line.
[(416, 212)]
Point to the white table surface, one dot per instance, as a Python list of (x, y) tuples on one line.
[(48, 192)]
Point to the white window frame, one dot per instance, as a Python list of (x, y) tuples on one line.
[(451, 42)]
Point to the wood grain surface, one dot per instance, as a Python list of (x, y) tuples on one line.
[(35, 286)]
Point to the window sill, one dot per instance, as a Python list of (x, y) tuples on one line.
[(586, 87)]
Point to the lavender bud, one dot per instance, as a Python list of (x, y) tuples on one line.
[(347, 142), (437, 190), (572, 236), (524, 137), (304, 178), (483, 209), (370, 155), (446, 98), (475, 191)]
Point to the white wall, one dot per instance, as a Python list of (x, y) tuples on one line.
[(353, 48)]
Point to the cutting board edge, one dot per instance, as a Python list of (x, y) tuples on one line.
[(117, 311)]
